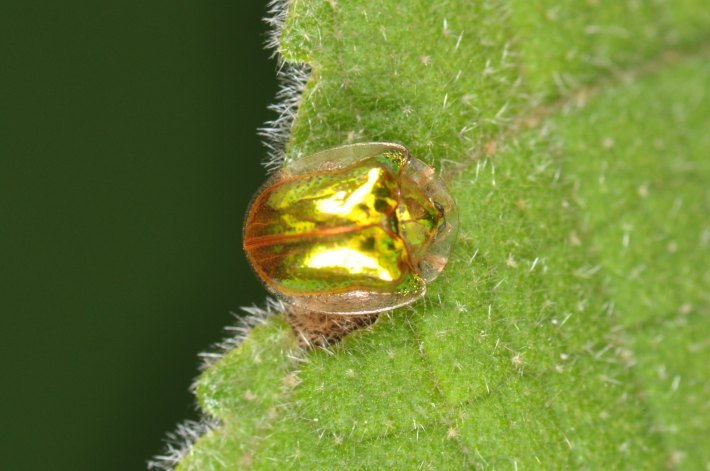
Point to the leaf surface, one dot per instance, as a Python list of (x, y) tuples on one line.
[(572, 326)]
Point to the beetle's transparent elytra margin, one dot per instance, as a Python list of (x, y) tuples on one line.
[(356, 229)]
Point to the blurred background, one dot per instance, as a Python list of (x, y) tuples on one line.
[(128, 154)]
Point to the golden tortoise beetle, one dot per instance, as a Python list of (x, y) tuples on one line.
[(356, 229)]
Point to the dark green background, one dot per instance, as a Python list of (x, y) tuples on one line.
[(128, 153)]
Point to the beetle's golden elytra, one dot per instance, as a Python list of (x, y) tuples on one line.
[(355, 229)]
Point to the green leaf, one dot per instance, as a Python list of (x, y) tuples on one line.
[(572, 327)]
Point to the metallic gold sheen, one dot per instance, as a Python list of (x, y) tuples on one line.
[(351, 233)]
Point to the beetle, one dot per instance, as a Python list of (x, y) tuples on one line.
[(356, 229)]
